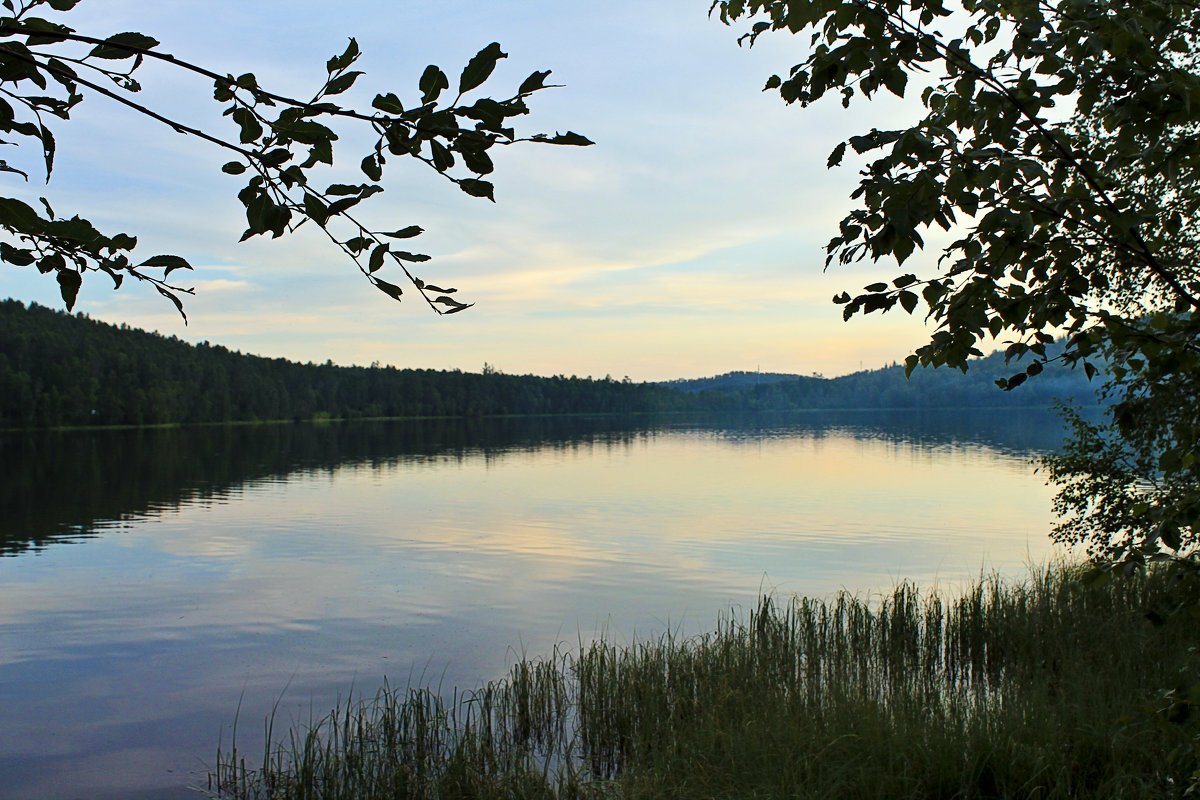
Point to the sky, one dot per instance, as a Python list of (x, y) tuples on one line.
[(687, 242)]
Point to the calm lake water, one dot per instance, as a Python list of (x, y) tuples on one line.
[(150, 581)]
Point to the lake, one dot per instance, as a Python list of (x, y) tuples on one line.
[(153, 582)]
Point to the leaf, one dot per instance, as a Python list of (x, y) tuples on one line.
[(432, 82), (233, 168), (347, 58), (170, 263), (47, 150), (896, 79), (443, 159), (343, 82), (406, 256), (429, 287), (171, 296), (16, 256), (346, 189), (375, 262), (124, 45), (480, 67), (18, 216), (477, 161), (390, 289), (568, 138), (908, 300), (477, 188), (875, 287), (315, 209), (534, 82), (252, 129), (455, 306), (372, 167), (304, 131), (388, 103), (405, 233), (836, 156), (69, 282)]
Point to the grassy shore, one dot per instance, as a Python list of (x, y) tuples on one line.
[(1042, 688)]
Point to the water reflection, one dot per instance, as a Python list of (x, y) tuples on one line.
[(66, 486), (227, 563)]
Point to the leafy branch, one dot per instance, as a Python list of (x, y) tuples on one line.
[(280, 143)]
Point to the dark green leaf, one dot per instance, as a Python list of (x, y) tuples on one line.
[(124, 45), (443, 159), (432, 82), (304, 131), (389, 289), (375, 262), (168, 262), (174, 299), (18, 216), (388, 103), (477, 188), (69, 282), (405, 233), (342, 82), (15, 255), (480, 67), (252, 130), (477, 161), (568, 138), (534, 82), (345, 59), (836, 156), (372, 167)]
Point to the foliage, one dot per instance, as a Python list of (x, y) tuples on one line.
[(1015, 690), (1058, 151), (279, 143)]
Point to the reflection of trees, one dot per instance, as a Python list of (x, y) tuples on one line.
[(1017, 431), (56, 486)]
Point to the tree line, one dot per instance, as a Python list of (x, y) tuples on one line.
[(58, 369)]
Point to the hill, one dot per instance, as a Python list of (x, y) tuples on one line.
[(887, 388), (59, 369)]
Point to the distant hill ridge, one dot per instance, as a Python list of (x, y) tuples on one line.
[(738, 379), (887, 387), (58, 369)]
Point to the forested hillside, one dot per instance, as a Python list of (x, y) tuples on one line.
[(888, 388), (59, 369)]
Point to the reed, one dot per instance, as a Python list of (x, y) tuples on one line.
[(1041, 688)]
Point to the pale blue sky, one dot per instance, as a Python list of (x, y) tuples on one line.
[(687, 242)]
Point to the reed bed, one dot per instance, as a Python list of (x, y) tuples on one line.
[(1041, 688)]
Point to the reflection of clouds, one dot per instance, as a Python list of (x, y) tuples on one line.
[(511, 530), (219, 547)]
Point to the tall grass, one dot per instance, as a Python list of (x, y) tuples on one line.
[(1043, 688)]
